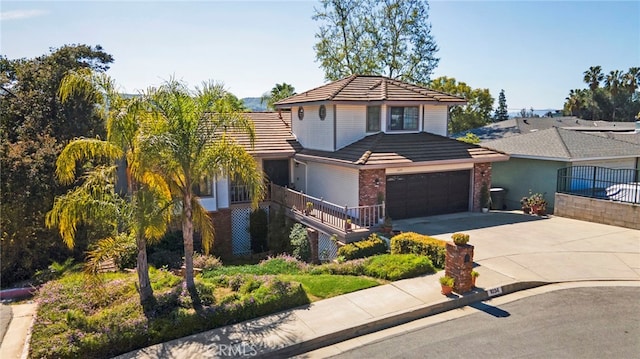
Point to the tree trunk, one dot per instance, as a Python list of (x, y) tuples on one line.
[(146, 292), (187, 236)]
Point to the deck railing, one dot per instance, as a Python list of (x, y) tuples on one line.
[(239, 194), (340, 217)]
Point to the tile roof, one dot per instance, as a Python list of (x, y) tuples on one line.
[(559, 143), (389, 150), (370, 88), (273, 135)]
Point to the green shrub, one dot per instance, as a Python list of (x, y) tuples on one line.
[(398, 266), (206, 262), (460, 239), (300, 242), (353, 267), (410, 242), (366, 248)]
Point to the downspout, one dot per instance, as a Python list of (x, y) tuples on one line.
[(335, 128)]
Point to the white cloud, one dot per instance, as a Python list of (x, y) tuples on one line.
[(20, 14)]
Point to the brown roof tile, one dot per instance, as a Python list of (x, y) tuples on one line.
[(273, 135), (370, 88), (387, 150)]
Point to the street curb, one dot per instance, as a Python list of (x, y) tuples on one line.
[(397, 319)]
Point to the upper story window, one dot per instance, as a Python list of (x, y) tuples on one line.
[(403, 118), (373, 118)]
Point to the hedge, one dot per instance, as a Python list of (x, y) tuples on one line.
[(365, 248), (411, 242)]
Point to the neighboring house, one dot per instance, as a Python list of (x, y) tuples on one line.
[(521, 126), (357, 143), (535, 158)]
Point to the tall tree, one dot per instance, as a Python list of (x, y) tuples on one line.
[(278, 92), (34, 127), (188, 139), (369, 37), (144, 216), (593, 77), (477, 111), (501, 113)]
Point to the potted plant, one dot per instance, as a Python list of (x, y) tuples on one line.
[(538, 204), (485, 198), (474, 275), (387, 225), (446, 283), (460, 239), (347, 224), (308, 208), (524, 203)]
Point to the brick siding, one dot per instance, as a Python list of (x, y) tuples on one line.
[(481, 174), (222, 246), (368, 189)]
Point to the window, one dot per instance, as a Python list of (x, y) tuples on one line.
[(373, 118), (404, 118), (204, 187)]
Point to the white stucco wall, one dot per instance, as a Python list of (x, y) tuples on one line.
[(222, 191), (334, 184), (351, 124), (311, 132), (435, 119)]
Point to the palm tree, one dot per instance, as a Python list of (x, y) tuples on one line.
[(144, 216), (188, 139), (593, 77), (613, 82), (278, 92), (574, 102), (632, 79)]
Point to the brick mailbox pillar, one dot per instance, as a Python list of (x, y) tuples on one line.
[(458, 265), (313, 242)]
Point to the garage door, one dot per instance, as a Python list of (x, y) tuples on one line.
[(427, 194)]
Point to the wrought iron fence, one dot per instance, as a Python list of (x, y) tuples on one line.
[(600, 182)]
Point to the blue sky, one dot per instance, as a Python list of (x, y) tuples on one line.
[(536, 51)]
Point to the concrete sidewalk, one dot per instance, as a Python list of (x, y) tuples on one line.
[(512, 252), (14, 342)]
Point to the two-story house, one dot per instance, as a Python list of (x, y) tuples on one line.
[(358, 143)]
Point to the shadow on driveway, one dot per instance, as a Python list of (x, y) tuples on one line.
[(460, 222)]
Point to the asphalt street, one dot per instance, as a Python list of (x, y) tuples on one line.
[(596, 322)]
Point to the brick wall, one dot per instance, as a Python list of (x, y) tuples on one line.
[(368, 189), (458, 265), (481, 174), (222, 246), (597, 210)]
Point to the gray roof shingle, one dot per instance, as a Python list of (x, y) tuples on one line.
[(563, 144)]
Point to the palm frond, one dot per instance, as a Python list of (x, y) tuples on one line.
[(203, 224), (83, 149)]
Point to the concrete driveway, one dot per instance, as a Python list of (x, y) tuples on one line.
[(531, 248)]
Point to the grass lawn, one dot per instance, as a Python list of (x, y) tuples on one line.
[(322, 286)]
